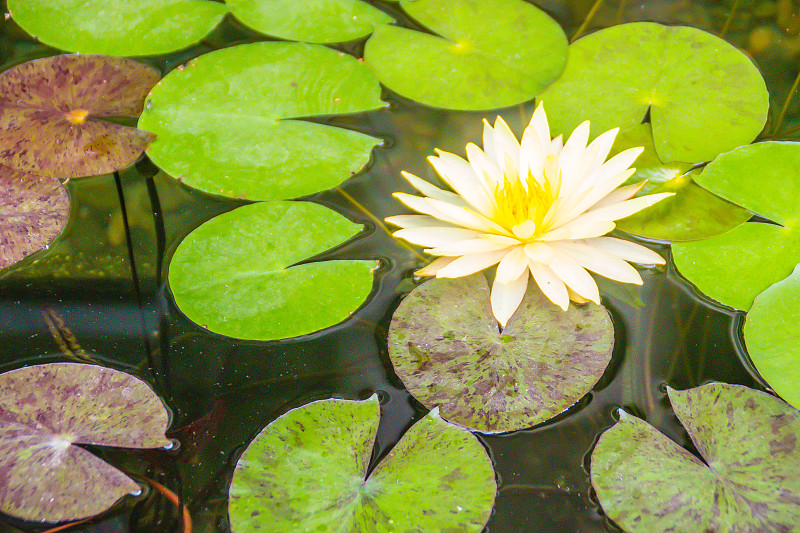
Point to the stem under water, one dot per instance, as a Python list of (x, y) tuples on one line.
[(728, 20), (587, 20), (785, 108)]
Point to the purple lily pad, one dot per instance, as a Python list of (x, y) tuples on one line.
[(446, 347), (749, 482), (44, 411), (49, 111), (33, 211)]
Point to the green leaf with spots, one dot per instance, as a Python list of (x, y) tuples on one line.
[(234, 275), (307, 471), (704, 96), (44, 411), (483, 54), (733, 268), (748, 478), (232, 122), (691, 214), (118, 27), (770, 334), (446, 347), (311, 21)]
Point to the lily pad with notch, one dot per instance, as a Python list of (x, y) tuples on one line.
[(50, 111), (118, 27), (482, 54), (308, 471), (33, 211), (233, 122), (704, 96), (45, 410), (446, 347), (734, 267), (746, 479), (234, 275)]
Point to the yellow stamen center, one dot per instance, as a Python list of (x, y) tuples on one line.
[(523, 211), (77, 116)]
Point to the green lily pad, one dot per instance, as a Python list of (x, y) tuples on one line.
[(705, 97), (770, 334), (312, 21), (445, 346), (118, 27), (307, 471), (483, 53), (49, 111), (256, 91), (734, 267), (44, 411), (234, 276), (750, 480), (691, 214), (33, 211)]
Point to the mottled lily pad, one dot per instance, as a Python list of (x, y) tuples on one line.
[(748, 479), (691, 214), (483, 54), (704, 96), (446, 347), (49, 111), (311, 21), (231, 122), (307, 471), (118, 27), (734, 267), (33, 211), (234, 276), (44, 411)]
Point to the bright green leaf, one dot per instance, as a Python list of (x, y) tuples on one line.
[(749, 479), (234, 274), (446, 347), (225, 122), (118, 27), (307, 471), (484, 53), (312, 21), (705, 97)]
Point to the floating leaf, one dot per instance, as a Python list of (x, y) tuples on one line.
[(734, 267), (225, 121), (484, 54), (234, 274), (692, 214), (33, 211), (750, 480), (312, 21), (44, 411), (118, 27), (704, 96), (446, 348), (307, 471), (48, 108)]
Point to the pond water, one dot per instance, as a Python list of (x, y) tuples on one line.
[(100, 289)]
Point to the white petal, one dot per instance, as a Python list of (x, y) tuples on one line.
[(506, 297), (470, 264), (467, 247), (524, 230), (551, 285), (627, 250), (617, 164), (575, 277), (454, 214), (435, 266), (620, 195), (600, 262), (505, 144), (585, 199), (488, 143), (571, 156), (432, 191), (513, 265), (484, 168), (502, 239), (417, 221), (461, 177), (579, 229), (601, 146), (436, 236), (626, 208), (539, 252)]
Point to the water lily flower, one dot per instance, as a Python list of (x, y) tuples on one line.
[(537, 208)]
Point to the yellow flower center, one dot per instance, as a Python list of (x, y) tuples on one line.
[(523, 211)]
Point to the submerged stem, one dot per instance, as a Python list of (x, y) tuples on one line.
[(785, 108), (587, 20), (728, 20)]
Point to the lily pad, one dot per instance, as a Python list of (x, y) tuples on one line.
[(692, 213), (232, 122), (734, 267), (234, 276), (49, 111), (748, 479), (770, 333), (33, 211), (483, 54), (44, 411), (704, 96), (118, 27), (446, 347), (307, 471), (312, 21)]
